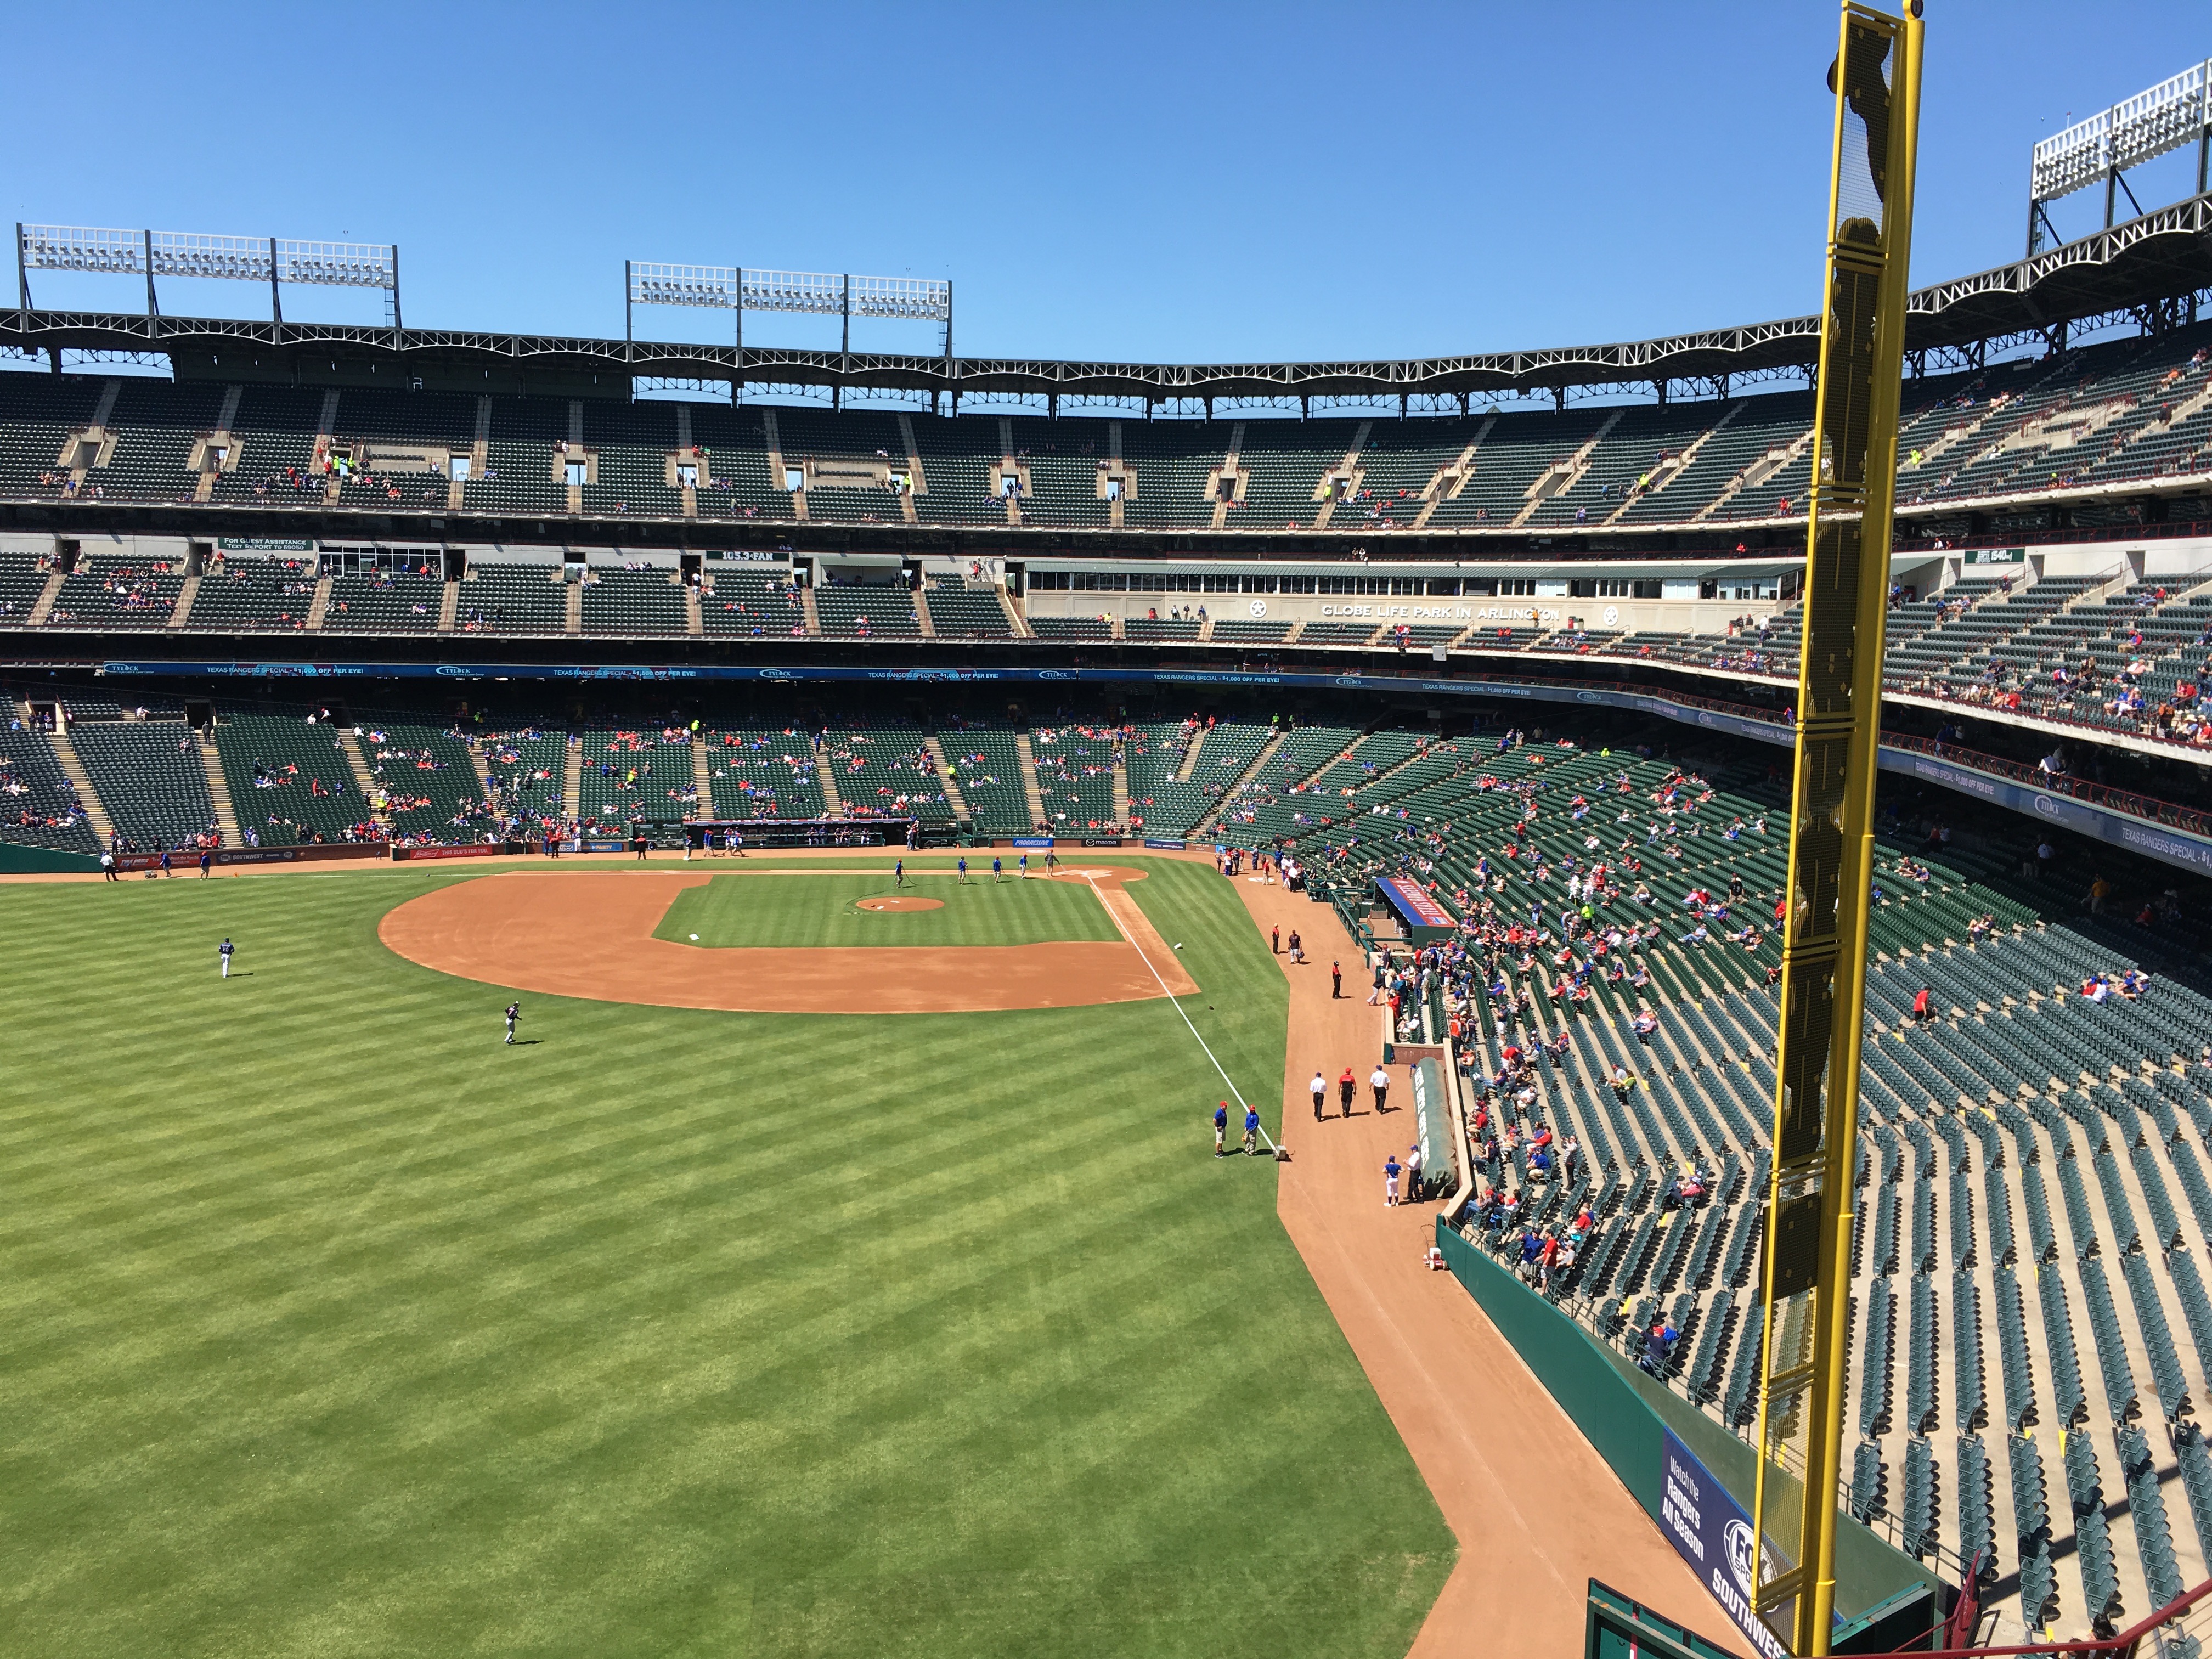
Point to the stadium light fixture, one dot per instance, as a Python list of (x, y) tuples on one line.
[(2174, 113), (736, 289), (271, 259)]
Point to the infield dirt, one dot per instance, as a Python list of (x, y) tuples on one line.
[(589, 934)]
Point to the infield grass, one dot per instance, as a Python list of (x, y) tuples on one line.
[(795, 911), (331, 1327)]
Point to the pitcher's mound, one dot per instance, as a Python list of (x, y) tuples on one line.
[(898, 903)]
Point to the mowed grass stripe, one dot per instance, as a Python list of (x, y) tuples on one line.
[(796, 912), (334, 1327)]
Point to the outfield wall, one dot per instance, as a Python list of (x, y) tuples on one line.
[(1625, 1416), (17, 860)]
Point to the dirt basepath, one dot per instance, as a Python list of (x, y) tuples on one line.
[(1537, 1512), (589, 934)]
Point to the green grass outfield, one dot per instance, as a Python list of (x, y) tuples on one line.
[(795, 911), (329, 1326)]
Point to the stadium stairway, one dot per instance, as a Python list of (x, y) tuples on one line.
[(180, 614), (703, 774), (479, 763), (1015, 619), (1030, 792), (1348, 469), (449, 606), (1679, 464), (43, 606), (218, 786), (1206, 825), (945, 780), (1189, 761), (1563, 476), (1772, 464), (695, 616), (80, 781), (825, 773), (319, 606), (813, 616), (572, 610), (572, 777), (357, 763), (1120, 784)]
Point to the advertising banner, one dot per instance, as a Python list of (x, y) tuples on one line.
[(1028, 840), (2155, 840), (480, 850), (1709, 1530), (1102, 840), (1162, 844)]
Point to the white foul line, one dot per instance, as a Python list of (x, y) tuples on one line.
[(1171, 997)]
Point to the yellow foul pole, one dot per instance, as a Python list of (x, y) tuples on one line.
[(1805, 1274)]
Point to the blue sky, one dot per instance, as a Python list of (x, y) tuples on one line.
[(1165, 182)]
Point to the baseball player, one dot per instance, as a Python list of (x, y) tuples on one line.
[(1220, 1127), (998, 872), (963, 869), (1025, 865), (1390, 1180), (898, 872), (224, 950), (514, 1013)]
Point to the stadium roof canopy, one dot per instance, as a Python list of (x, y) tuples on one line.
[(2140, 267)]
